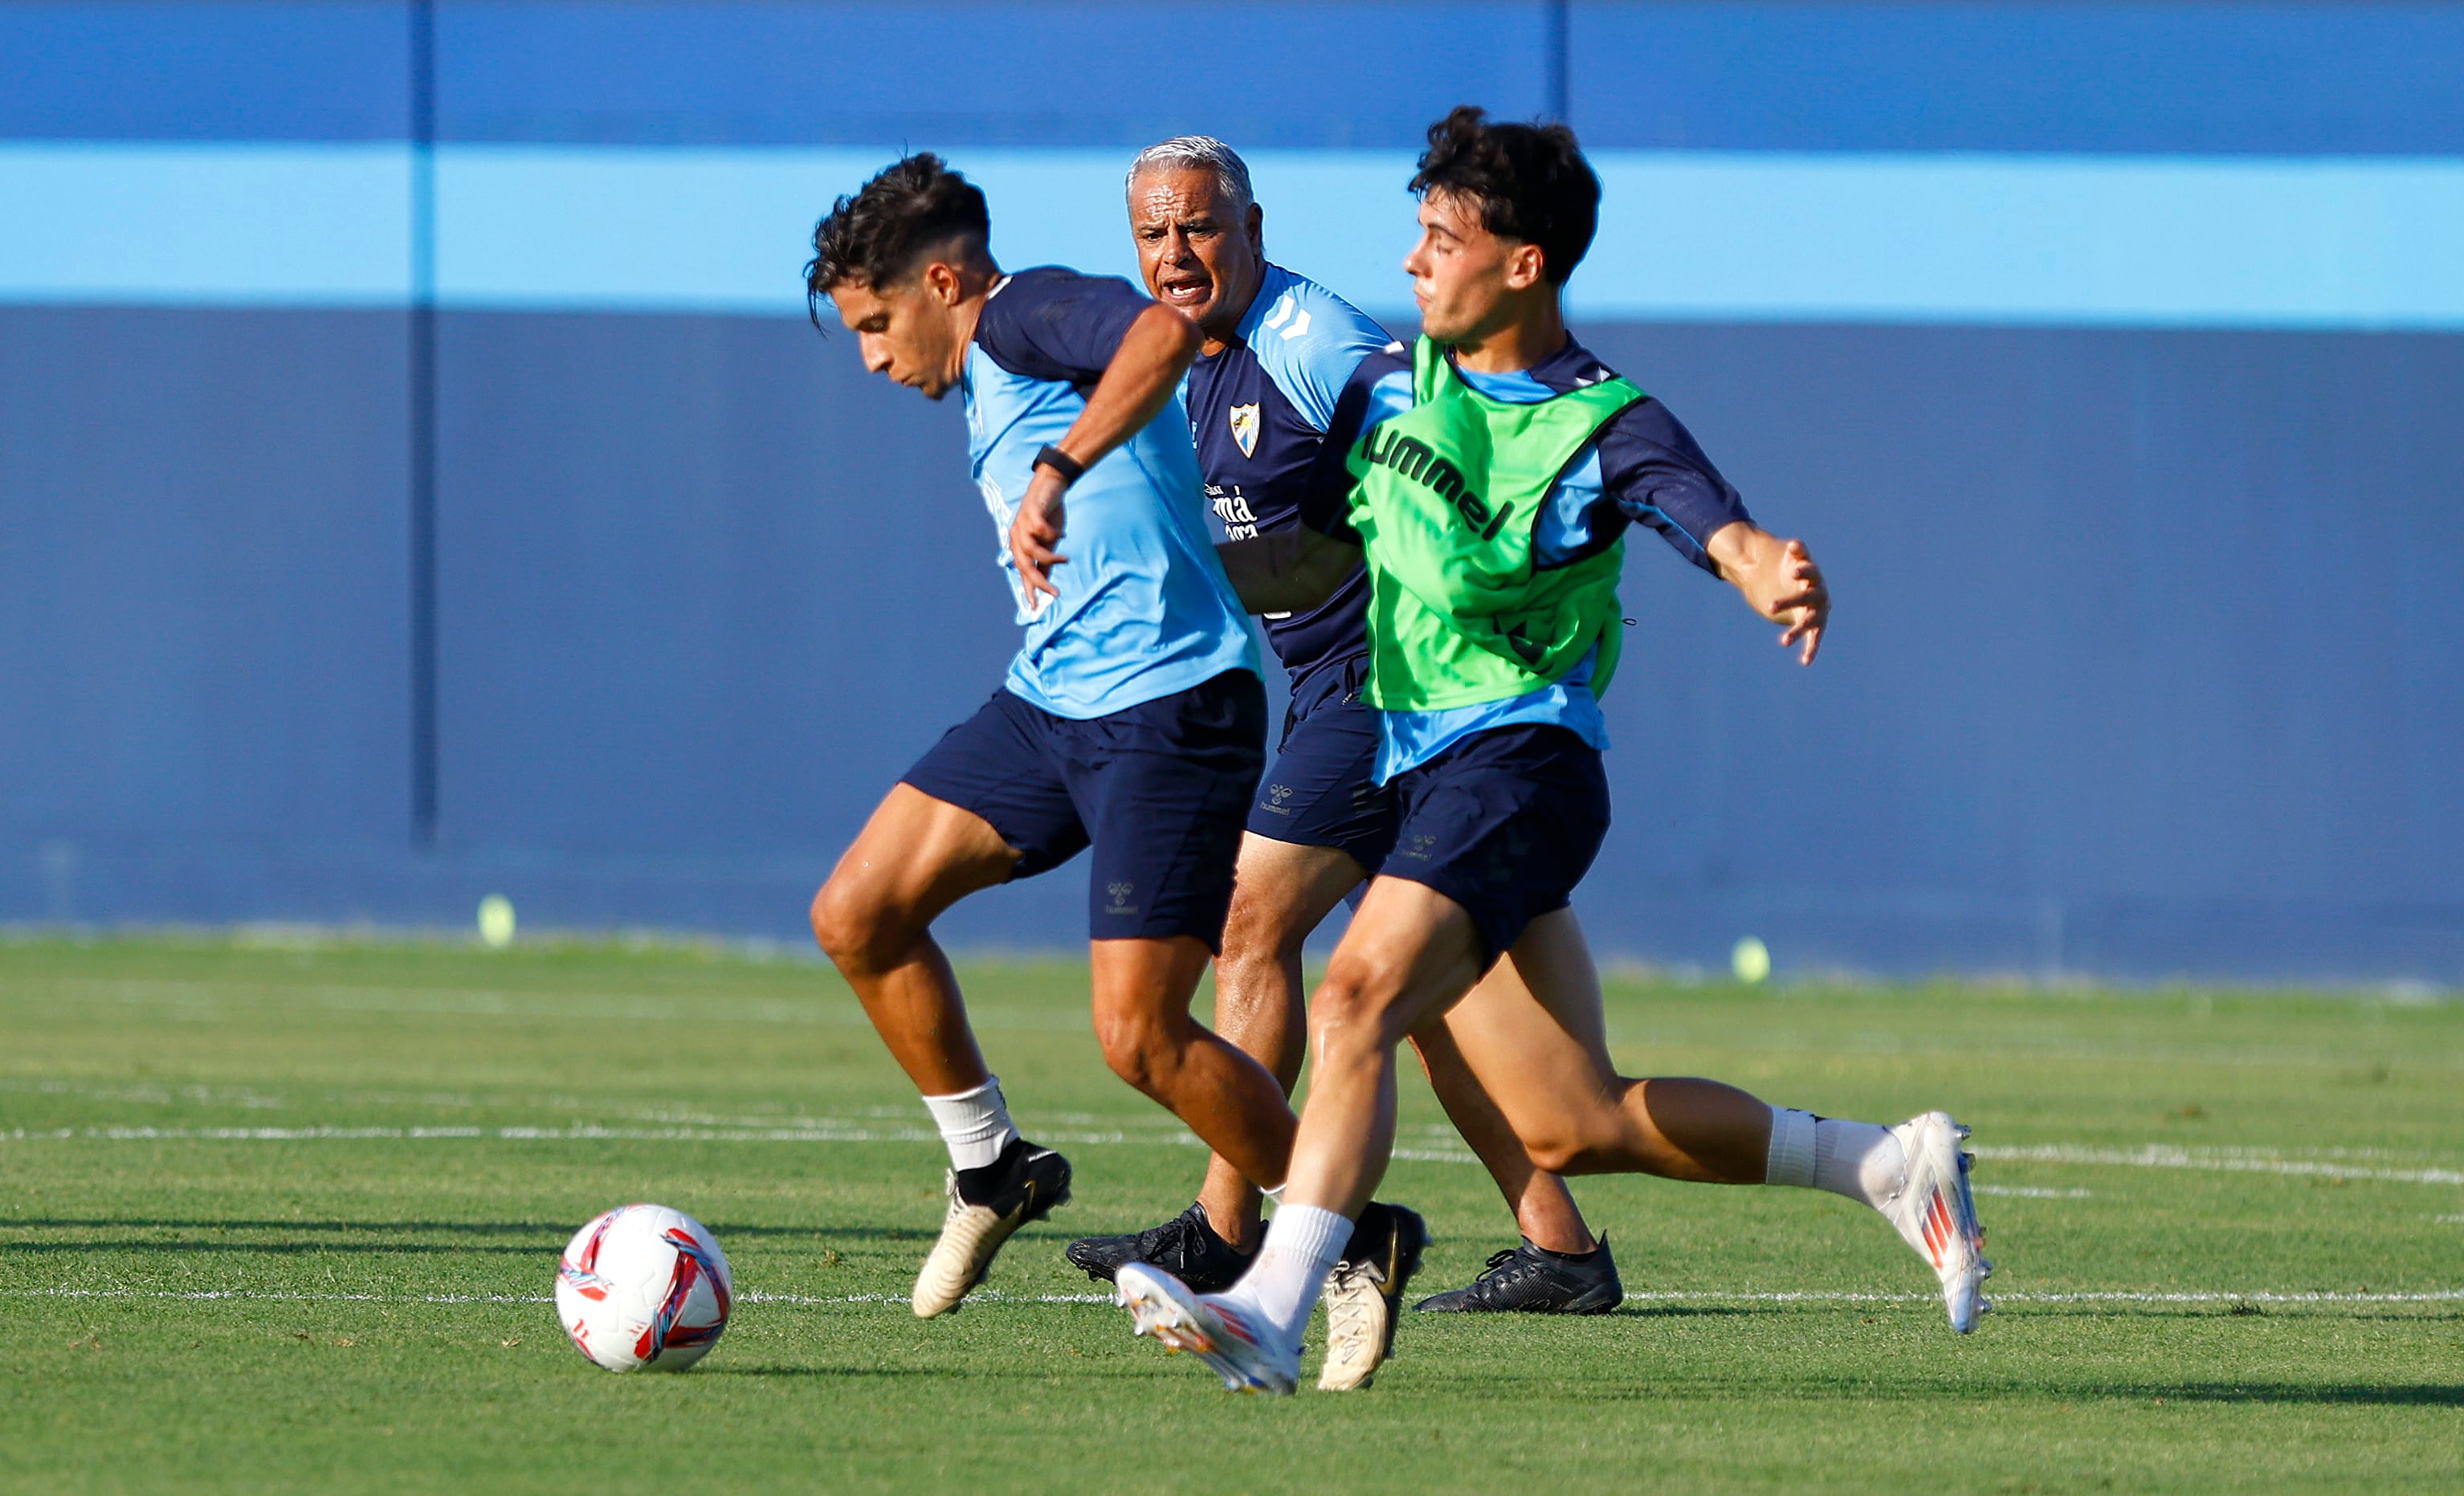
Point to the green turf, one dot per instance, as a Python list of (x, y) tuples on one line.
[(303, 1311)]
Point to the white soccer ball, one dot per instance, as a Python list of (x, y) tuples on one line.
[(644, 1286)]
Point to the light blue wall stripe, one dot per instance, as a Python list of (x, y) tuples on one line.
[(2051, 240), (2126, 241), (254, 225)]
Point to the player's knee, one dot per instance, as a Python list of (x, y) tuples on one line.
[(853, 925), (1356, 1010), (1558, 1152), (1140, 1047), (1261, 933), (1580, 1140)]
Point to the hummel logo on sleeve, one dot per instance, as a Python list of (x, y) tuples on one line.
[(1289, 310)]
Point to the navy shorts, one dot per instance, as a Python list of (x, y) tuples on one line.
[(1158, 790), (1505, 823), (1319, 792)]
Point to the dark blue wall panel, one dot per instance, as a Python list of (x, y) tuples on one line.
[(707, 588), (277, 70), (1108, 74), (2139, 665), (2134, 628), (1767, 74), (203, 627), (1896, 76)]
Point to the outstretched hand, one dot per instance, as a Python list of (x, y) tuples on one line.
[(1779, 580), (1806, 608), (1043, 516)]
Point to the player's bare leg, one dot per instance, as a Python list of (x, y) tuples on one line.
[(1235, 1106), (1544, 1208), (1285, 890), (1400, 959), (1578, 1115), (1282, 890), (1411, 954), (915, 858), (1561, 1091)]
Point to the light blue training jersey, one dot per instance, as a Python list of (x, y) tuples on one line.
[(1145, 610)]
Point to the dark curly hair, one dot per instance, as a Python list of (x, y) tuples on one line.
[(1531, 181), (875, 235)]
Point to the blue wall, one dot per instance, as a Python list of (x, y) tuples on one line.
[(2139, 667)]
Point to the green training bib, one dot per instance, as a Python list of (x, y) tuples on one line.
[(1446, 498)]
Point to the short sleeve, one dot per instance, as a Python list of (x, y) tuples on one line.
[(1655, 475), (1379, 386), (1053, 323), (1309, 341)]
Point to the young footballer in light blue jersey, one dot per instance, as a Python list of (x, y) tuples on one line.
[(1131, 723)]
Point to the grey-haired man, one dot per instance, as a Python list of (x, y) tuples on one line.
[(1279, 353)]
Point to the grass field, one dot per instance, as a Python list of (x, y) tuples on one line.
[(286, 1218)]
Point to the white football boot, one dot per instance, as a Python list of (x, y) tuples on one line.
[(1243, 1354), (1364, 1294), (1024, 1184), (1936, 1215)]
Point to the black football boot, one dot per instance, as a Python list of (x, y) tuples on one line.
[(1185, 1246), (1532, 1280)]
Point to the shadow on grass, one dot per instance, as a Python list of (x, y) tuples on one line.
[(1096, 1370), (2343, 1312), (2424, 1395), (2407, 1395)]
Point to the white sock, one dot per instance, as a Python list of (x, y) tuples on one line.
[(1862, 1160), (1858, 1159), (1791, 1158), (975, 1124), (1302, 1244)]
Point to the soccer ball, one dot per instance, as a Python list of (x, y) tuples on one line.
[(644, 1286)]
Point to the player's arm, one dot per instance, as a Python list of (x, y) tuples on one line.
[(1777, 578), (1288, 571), (1656, 474), (1137, 384)]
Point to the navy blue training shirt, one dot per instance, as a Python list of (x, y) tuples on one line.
[(1258, 412)]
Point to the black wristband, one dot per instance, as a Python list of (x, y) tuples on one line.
[(1070, 468)]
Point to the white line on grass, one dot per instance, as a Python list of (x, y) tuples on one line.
[(996, 1296), (818, 1131), (822, 1130), (2161, 1155), (276, 1296)]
